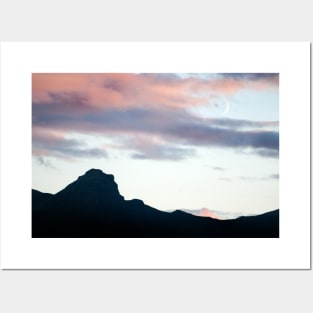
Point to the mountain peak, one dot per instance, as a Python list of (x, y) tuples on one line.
[(93, 186), (96, 174), (94, 171)]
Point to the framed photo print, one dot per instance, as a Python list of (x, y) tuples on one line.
[(155, 155)]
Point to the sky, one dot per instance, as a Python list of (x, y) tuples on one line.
[(193, 141)]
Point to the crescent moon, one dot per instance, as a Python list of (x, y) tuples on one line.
[(227, 107)]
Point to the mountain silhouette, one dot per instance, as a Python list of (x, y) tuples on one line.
[(92, 207)]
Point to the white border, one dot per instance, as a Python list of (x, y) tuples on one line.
[(290, 251)]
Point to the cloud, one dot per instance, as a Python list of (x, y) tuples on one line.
[(240, 124), (268, 153), (44, 162), (47, 143), (252, 178), (203, 134), (270, 77), (256, 81), (177, 132), (221, 215), (133, 108), (154, 149), (273, 176), (204, 212), (119, 90), (123, 90), (163, 153)]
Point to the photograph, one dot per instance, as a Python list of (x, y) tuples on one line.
[(155, 155)]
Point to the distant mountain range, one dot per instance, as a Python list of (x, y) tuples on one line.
[(220, 215), (92, 207)]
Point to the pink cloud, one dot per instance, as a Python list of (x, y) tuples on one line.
[(204, 212), (145, 113), (122, 90), (55, 143)]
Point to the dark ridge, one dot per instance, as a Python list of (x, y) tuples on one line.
[(38, 198), (92, 207)]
